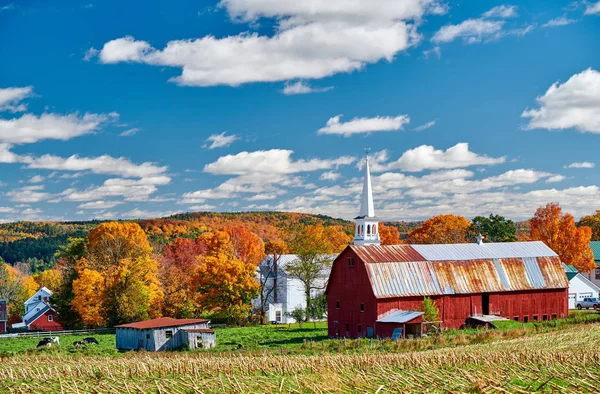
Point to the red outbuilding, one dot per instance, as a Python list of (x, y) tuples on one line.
[(374, 290), (3, 316)]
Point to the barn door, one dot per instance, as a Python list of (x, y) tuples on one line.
[(485, 304)]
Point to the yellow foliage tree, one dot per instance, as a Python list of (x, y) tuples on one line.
[(51, 279), (389, 235), (89, 289), (442, 229)]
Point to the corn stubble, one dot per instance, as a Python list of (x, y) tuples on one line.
[(565, 361)]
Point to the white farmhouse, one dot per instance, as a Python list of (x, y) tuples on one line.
[(282, 293), (580, 287), (39, 315)]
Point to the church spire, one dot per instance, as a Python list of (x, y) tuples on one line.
[(367, 231)]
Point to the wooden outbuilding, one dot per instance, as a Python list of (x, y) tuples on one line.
[(165, 333)]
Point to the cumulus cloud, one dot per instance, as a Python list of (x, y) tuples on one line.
[(130, 189), (364, 125), (330, 176), (584, 164), (302, 87), (30, 128), (470, 30), (99, 204), (28, 194), (36, 179), (312, 40), (426, 157), (220, 140), (573, 104), (561, 21), (10, 98), (274, 161), (502, 11), (592, 8), (130, 132)]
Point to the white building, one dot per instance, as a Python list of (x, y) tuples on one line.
[(283, 294), (580, 287), (366, 231), (37, 307)]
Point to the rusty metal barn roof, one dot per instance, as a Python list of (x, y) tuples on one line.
[(461, 269)]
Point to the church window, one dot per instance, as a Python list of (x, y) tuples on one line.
[(374, 229), (369, 230)]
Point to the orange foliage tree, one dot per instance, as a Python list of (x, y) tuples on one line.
[(442, 229), (15, 287), (225, 284), (389, 235), (558, 231), (593, 222), (119, 254), (248, 246)]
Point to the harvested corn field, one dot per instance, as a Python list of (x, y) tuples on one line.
[(567, 361)]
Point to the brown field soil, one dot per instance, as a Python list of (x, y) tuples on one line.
[(558, 361)]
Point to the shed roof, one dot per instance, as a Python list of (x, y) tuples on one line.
[(400, 317), (161, 322), (423, 270), (200, 330)]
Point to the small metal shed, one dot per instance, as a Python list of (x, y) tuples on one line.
[(165, 333)]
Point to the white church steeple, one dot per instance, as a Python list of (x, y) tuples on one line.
[(367, 225)]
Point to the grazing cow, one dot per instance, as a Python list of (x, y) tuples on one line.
[(45, 342), (78, 343), (54, 340), (90, 341)]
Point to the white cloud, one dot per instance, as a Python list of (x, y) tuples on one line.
[(584, 164), (6, 210), (427, 157), (129, 132), (470, 30), (36, 179), (502, 11), (561, 21), (364, 125), (274, 161), (130, 189), (433, 51), (28, 194), (99, 204), (425, 126), (302, 87), (90, 54), (7, 7), (221, 140), (262, 197), (10, 98), (312, 40), (592, 8), (30, 128), (556, 178), (330, 176), (573, 104), (137, 213)]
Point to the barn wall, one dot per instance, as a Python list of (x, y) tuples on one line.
[(208, 340), (133, 339), (42, 323), (350, 287), (178, 340)]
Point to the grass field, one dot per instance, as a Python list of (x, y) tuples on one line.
[(551, 357)]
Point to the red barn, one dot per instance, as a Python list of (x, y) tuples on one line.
[(3, 316), (374, 289)]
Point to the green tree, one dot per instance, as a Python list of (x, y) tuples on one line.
[(496, 228), (62, 298), (430, 310), (297, 314)]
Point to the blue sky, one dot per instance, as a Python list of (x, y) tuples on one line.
[(142, 109)]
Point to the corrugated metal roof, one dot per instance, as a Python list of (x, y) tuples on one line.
[(483, 251), (462, 276), (285, 259), (595, 245), (387, 253), (400, 317), (162, 322), (569, 268)]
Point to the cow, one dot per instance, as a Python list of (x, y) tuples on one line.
[(78, 343), (90, 341), (45, 342)]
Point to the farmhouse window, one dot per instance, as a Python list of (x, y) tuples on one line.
[(350, 262), (169, 334), (597, 273), (337, 305), (362, 307), (50, 318)]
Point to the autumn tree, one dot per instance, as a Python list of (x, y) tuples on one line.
[(593, 222), (558, 231), (268, 276), (177, 264), (389, 235), (225, 285), (16, 287), (442, 229), (129, 290), (247, 246), (313, 247), (51, 279), (62, 298), (496, 228)]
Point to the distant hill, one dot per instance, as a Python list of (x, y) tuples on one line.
[(37, 242)]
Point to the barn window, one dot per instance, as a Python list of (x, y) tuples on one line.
[(50, 318), (544, 317), (597, 273), (359, 330), (525, 319), (169, 334), (347, 328), (350, 262), (337, 305), (362, 307), (147, 336), (516, 318), (553, 317), (535, 318)]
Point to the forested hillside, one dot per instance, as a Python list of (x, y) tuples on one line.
[(36, 243)]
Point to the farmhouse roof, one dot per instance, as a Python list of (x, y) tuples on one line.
[(161, 322), (595, 245), (425, 270)]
